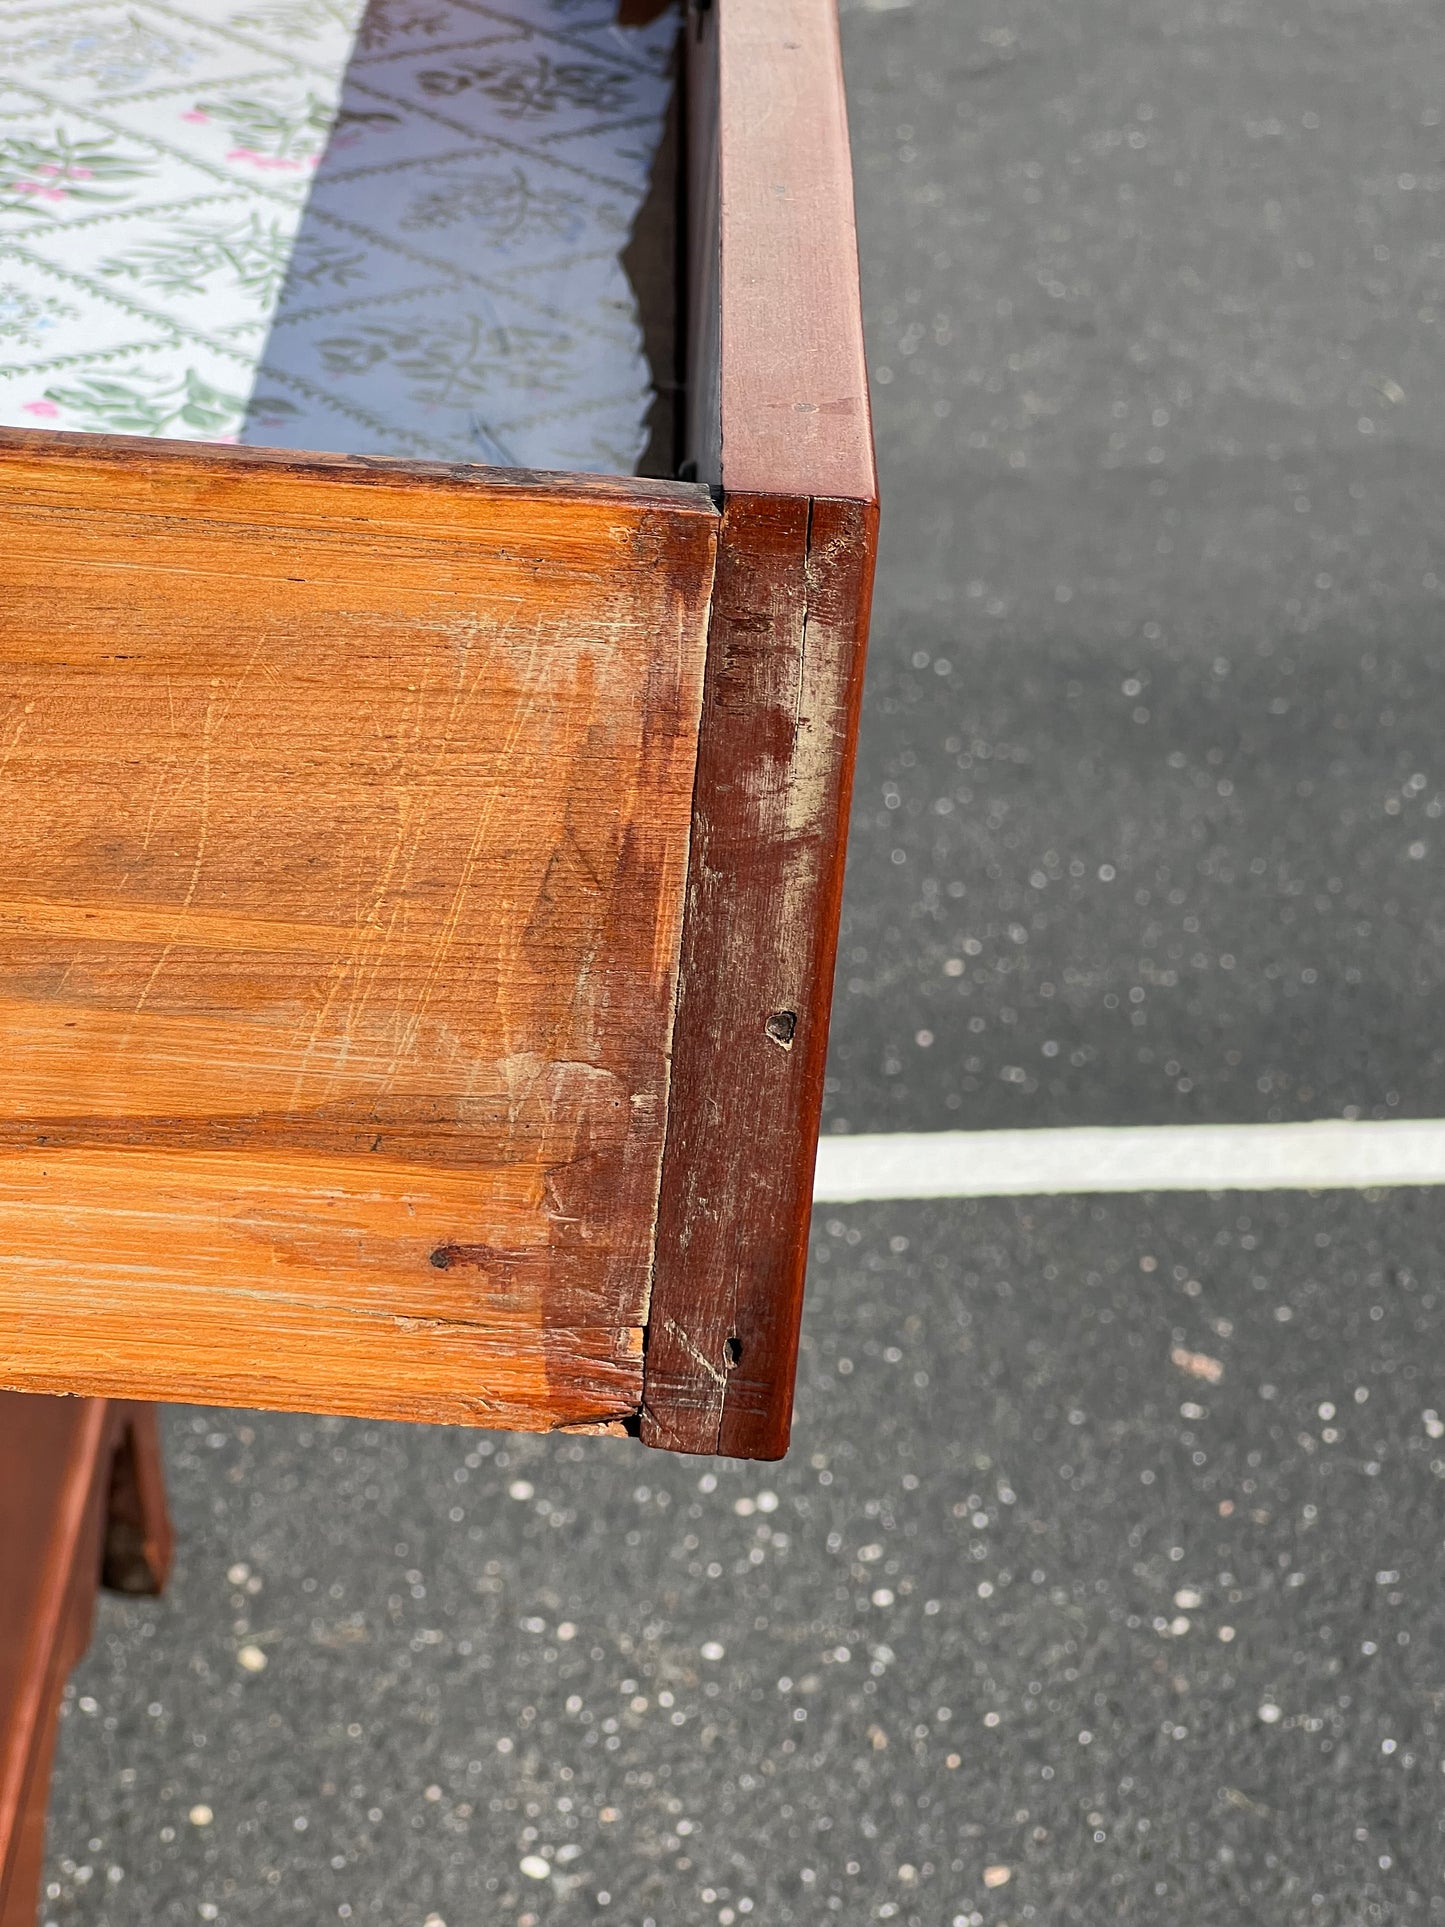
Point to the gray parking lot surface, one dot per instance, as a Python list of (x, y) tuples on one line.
[(1103, 1580), (1156, 303)]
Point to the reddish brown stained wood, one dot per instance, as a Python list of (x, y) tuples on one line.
[(769, 828), (346, 810), (780, 712), (794, 379), (66, 1465)]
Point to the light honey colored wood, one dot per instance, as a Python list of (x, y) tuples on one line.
[(344, 815)]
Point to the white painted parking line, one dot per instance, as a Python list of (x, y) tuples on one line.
[(1325, 1156)]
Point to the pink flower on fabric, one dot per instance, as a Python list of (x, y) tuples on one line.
[(261, 160), (40, 191), (46, 410), (196, 115)]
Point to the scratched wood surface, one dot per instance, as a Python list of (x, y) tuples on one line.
[(346, 809), (779, 416)]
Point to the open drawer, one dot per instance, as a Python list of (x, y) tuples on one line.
[(419, 881)]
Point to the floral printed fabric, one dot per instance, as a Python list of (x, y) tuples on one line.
[(384, 229)]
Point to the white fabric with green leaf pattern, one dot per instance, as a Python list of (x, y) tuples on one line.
[(384, 229)]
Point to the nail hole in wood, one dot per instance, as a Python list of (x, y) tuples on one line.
[(782, 1027), (441, 1258), (732, 1352)]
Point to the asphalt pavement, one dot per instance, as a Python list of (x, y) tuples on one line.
[(1104, 1579)]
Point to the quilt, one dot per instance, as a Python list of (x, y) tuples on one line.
[(392, 228)]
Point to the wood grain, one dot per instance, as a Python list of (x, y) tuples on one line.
[(349, 811), (793, 381), (793, 451), (346, 813), (58, 1464)]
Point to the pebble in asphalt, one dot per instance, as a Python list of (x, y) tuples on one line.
[(1103, 1578), (1102, 1581), (1156, 295)]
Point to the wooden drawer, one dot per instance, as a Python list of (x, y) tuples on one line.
[(419, 883)]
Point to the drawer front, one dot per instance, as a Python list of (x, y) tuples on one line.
[(344, 816)]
